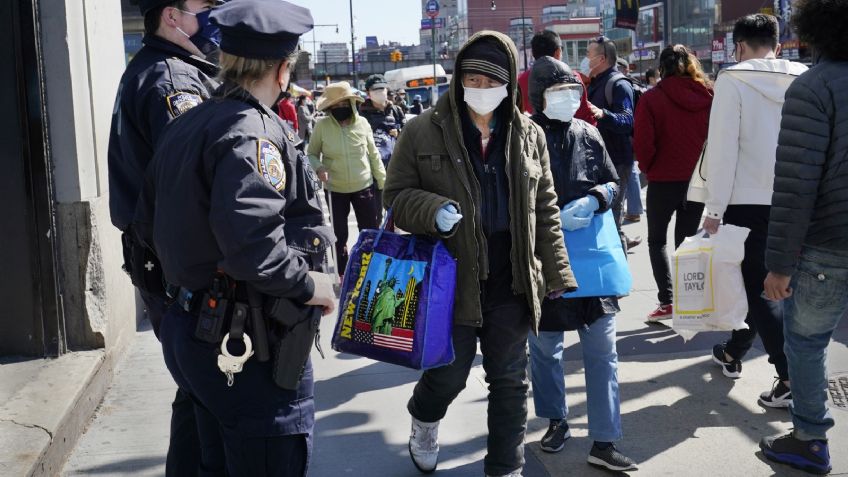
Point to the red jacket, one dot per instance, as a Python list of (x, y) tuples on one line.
[(670, 128), (583, 112), (288, 113)]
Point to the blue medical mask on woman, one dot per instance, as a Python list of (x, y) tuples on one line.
[(561, 104)]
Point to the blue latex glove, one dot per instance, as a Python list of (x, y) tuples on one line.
[(584, 206), (447, 217), (572, 222)]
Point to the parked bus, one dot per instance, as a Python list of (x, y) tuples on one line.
[(418, 80)]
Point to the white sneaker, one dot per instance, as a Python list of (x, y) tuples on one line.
[(424, 445)]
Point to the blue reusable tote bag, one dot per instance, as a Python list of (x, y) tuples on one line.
[(396, 302), (597, 259)]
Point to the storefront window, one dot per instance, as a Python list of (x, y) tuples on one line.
[(692, 22)]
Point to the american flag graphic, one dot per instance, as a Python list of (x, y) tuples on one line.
[(400, 339), (362, 332)]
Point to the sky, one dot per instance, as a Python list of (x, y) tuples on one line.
[(388, 20)]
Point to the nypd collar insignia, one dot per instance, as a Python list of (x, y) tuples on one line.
[(270, 163), (180, 102)]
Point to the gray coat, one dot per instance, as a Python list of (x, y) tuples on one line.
[(810, 202)]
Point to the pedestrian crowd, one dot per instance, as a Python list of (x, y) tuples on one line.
[(215, 172)]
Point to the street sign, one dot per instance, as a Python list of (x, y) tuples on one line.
[(432, 8), (640, 44), (718, 50), (427, 23)]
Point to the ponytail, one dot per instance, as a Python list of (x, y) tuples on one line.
[(678, 60)]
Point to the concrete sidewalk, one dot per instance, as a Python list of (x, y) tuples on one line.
[(681, 416)]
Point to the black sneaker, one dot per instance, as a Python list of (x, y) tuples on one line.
[(554, 439), (809, 456), (731, 369), (780, 396), (611, 459)]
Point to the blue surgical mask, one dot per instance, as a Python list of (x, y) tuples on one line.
[(208, 36), (561, 105)]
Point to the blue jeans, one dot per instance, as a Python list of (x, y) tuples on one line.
[(818, 301), (634, 192), (600, 362)]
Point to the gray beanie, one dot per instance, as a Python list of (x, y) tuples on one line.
[(546, 72)]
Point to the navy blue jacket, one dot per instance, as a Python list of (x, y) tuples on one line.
[(580, 166), (161, 82), (617, 124), (224, 181)]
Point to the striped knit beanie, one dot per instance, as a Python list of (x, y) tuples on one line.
[(486, 56)]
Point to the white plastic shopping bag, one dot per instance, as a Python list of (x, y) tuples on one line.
[(709, 293)]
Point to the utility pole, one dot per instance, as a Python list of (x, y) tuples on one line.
[(523, 36), (432, 9), (353, 49)]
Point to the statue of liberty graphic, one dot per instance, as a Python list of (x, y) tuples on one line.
[(383, 314)]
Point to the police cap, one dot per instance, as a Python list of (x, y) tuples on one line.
[(145, 6), (261, 29)]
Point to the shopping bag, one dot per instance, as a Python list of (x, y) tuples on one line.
[(396, 302), (709, 293), (597, 259)]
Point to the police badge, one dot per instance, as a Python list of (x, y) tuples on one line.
[(270, 164), (180, 102)]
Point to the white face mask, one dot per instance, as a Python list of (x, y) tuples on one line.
[(584, 66), (379, 96), (484, 100), (561, 105)]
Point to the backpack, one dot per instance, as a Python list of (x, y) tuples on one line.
[(638, 88)]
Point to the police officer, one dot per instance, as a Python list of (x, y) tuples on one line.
[(224, 185), (167, 77)]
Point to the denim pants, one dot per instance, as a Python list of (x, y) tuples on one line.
[(764, 317), (819, 300), (634, 192), (664, 200), (503, 343), (600, 362)]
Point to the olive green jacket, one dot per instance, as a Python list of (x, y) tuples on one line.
[(430, 167)]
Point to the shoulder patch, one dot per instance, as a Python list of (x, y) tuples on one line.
[(270, 164), (180, 102)]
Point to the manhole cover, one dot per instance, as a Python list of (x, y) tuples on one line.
[(837, 386)]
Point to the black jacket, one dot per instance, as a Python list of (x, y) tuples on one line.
[(391, 117), (580, 166), (226, 191), (161, 82), (810, 201)]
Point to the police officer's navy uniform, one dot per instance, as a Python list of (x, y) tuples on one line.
[(226, 192), (162, 81)]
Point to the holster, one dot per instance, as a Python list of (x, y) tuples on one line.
[(142, 264), (296, 326)]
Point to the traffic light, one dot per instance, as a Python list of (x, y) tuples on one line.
[(396, 56)]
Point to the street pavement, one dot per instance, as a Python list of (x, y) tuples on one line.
[(680, 415)]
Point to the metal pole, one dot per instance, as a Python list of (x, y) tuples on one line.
[(523, 36), (353, 49), (435, 82), (314, 56)]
